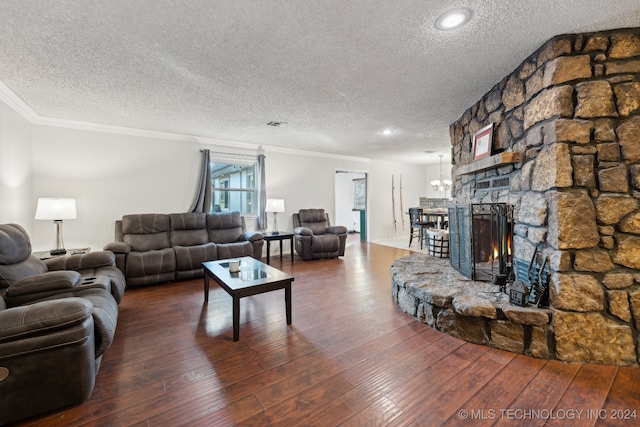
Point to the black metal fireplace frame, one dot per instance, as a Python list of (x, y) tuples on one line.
[(463, 245)]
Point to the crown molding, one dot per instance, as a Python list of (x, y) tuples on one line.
[(17, 104), (299, 152)]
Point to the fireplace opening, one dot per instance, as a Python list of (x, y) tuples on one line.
[(491, 236), (481, 237)]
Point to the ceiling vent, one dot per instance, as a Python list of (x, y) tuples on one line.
[(276, 123)]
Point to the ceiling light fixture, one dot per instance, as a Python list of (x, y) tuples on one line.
[(276, 123), (441, 184), (387, 132), (453, 19)]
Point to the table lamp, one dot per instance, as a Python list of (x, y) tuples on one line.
[(56, 210), (275, 206)]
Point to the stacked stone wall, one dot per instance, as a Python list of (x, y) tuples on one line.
[(572, 110)]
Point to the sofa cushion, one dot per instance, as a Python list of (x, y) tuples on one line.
[(145, 223), (314, 219), (13, 272), (325, 244), (147, 242), (145, 232), (188, 229), (51, 280), (235, 250), (191, 257), (15, 245), (225, 227), (187, 221), (151, 263)]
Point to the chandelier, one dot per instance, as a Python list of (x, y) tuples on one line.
[(441, 184)]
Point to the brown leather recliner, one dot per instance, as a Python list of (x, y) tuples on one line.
[(315, 238), (54, 328)]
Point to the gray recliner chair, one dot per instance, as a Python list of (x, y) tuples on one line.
[(54, 328), (315, 238)]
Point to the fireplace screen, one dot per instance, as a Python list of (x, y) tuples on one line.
[(491, 235), (481, 238)]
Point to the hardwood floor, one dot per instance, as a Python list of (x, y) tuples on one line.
[(351, 358)]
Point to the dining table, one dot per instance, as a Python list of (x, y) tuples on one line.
[(439, 216)]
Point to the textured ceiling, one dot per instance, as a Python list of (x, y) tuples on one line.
[(337, 71)]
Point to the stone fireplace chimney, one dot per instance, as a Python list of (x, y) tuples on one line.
[(567, 140)]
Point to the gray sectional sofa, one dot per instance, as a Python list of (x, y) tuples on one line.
[(156, 248), (57, 319)]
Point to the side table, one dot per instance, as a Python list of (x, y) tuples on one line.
[(279, 236), (46, 254)]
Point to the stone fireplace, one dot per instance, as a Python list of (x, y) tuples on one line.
[(567, 141)]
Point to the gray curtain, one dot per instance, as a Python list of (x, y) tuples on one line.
[(202, 201), (262, 194)]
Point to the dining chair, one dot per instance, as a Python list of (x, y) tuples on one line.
[(418, 226)]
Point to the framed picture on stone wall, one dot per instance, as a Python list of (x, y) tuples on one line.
[(482, 142)]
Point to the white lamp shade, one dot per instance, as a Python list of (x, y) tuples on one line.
[(274, 205), (56, 209)]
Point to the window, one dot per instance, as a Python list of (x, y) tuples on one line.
[(233, 188)]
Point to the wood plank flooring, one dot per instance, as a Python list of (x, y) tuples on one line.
[(350, 358)]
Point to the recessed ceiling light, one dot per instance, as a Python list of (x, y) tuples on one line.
[(453, 19), (387, 132)]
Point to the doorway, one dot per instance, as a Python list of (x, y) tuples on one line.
[(350, 189)]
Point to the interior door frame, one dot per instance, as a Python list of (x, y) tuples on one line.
[(337, 204)]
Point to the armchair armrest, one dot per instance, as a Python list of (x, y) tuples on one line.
[(251, 236), (303, 231), (44, 282), (43, 316), (337, 229), (118, 247), (79, 262)]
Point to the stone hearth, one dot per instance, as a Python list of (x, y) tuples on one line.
[(430, 290)]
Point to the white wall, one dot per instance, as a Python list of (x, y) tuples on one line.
[(112, 174), (109, 175), (305, 181), (15, 168), (381, 212)]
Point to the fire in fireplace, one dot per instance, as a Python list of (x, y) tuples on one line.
[(481, 236)]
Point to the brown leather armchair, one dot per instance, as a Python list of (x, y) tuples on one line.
[(54, 328), (315, 238)]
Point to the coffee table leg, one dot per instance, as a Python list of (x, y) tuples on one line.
[(206, 286), (287, 301), (236, 318)]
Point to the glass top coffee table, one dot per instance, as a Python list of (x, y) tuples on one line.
[(253, 278)]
